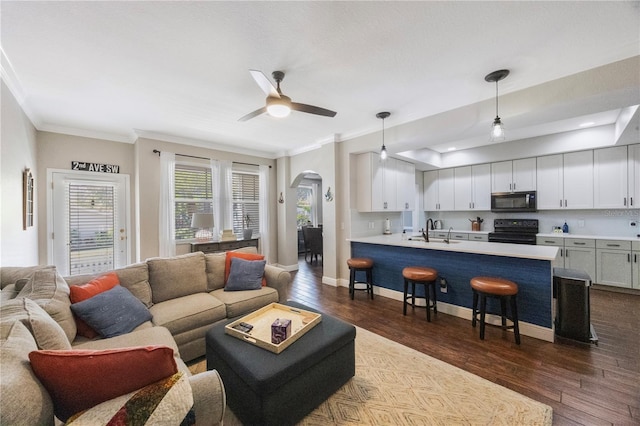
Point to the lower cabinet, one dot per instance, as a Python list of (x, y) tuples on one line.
[(614, 263), (554, 242), (580, 254)]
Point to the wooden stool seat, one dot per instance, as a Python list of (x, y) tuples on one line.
[(360, 264), (500, 288), (420, 275)]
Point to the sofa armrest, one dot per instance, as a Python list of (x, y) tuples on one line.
[(209, 398), (279, 279)]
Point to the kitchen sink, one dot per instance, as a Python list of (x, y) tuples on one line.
[(432, 240)]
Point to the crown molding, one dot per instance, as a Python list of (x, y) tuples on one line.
[(10, 78)]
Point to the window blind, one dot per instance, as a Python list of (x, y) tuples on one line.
[(193, 194)]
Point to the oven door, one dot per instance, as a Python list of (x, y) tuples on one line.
[(512, 238), (513, 201)]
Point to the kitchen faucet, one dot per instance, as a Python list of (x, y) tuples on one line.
[(446, 240), (425, 235)]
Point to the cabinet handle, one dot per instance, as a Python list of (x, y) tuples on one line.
[(629, 257), (514, 186), (561, 252), (635, 258), (631, 201), (625, 202), (385, 205), (566, 252), (510, 187), (578, 244), (560, 203), (613, 245), (469, 205), (406, 206), (565, 203), (549, 242)]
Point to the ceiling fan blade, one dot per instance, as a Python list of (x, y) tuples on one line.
[(312, 109), (264, 83), (253, 114)]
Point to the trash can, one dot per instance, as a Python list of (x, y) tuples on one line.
[(573, 319)]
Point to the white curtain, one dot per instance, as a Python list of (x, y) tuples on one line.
[(221, 175), (263, 188), (167, 223)]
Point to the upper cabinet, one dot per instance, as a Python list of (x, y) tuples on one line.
[(633, 170), (472, 187), (438, 190), (516, 175), (610, 178), (384, 185), (565, 181), (406, 185)]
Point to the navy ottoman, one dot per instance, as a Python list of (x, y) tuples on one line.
[(280, 389)]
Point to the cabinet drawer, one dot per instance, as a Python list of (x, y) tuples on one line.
[(614, 244), (438, 234), (635, 245), (550, 241), (459, 236), (478, 237), (579, 242)]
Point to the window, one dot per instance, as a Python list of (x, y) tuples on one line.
[(246, 202), (193, 194), (304, 206)]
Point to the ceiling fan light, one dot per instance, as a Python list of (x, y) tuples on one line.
[(497, 130), (278, 107)]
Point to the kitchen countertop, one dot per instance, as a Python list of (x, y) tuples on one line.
[(588, 237), (461, 246)]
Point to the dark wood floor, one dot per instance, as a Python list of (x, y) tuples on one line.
[(585, 384)]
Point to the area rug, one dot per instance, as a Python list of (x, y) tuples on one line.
[(396, 385)]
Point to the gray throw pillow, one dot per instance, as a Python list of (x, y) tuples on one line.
[(245, 274), (113, 312)]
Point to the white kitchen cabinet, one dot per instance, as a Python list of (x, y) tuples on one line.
[(610, 178), (406, 185), (614, 263), (633, 170), (580, 253), (554, 242), (565, 181), (516, 175), (472, 189), (438, 190), (478, 237), (376, 180), (635, 267)]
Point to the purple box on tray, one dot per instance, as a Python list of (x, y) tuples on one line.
[(280, 330)]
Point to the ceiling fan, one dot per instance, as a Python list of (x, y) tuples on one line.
[(277, 104)]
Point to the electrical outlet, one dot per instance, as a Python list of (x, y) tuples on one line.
[(443, 285)]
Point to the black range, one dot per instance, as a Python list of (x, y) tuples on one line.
[(514, 231)]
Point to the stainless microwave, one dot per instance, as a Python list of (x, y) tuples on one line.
[(524, 201)]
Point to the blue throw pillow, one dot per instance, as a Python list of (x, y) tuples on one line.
[(113, 312), (245, 274)]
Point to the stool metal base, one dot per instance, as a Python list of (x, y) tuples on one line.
[(430, 286), (503, 314), (368, 284)]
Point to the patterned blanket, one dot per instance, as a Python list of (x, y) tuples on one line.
[(168, 401)]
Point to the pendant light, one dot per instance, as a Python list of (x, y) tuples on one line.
[(383, 150), (497, 129)]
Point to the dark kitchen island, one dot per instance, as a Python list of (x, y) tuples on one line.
[(459, 261)]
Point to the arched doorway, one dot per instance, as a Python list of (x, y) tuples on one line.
[(309, 215)]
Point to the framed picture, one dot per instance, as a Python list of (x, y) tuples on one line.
[(27, 199)]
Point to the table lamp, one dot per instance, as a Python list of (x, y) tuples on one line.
[(204, 223)]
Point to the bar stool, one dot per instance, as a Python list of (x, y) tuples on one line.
[(420, 275), (360, 264), (498, 288)]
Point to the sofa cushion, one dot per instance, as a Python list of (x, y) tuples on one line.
[(113, 312), (11, 274), (134, 278), (47, 333), (8, 293), (49, 290), (188, 312), (177, 276), (165, 402), (245, 274), (80, 379), (215, 270), (24, 400), (86, 291), (242, 302)]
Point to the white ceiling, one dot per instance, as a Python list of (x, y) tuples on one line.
[(178, 71)]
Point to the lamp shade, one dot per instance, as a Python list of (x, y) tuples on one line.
[(202, 220)]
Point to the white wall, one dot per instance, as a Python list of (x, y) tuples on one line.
[(18, 247)]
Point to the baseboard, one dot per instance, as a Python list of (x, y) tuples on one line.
[(526, 329)]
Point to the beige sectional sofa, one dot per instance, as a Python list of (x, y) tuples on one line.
[(184, 294)]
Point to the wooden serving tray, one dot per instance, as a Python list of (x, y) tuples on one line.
[(261, 320)]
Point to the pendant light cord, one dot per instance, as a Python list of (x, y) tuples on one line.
[(497, 98)]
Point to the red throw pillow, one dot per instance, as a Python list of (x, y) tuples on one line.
[(245, 256), (87, 291), (80, 379)]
